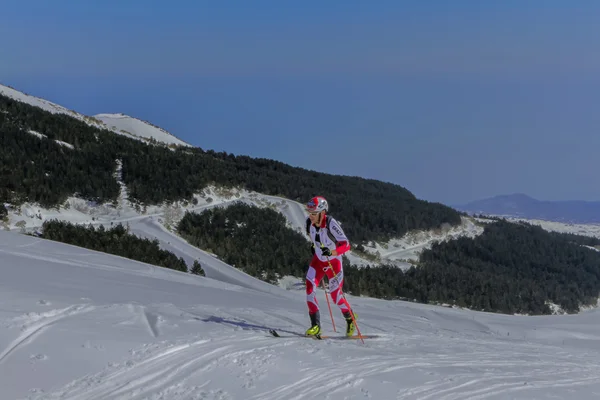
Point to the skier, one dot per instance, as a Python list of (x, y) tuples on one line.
[(328, 244)]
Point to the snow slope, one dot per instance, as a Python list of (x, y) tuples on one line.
[(118, 123), (78, 324)]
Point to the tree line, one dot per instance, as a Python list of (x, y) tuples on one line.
[(513, 268), (253, 239), (117, 241)]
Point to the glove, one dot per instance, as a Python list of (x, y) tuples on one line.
[(326, 252)]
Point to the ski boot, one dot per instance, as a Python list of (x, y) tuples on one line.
[(315, 322), (349, 323)]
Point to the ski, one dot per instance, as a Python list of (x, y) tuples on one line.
[(291, 334), (349, 337), (321, 337), (274, 332)]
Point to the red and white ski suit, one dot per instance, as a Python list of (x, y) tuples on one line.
[(321, 265)]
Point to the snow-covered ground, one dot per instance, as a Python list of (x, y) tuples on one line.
[(118, 123), (78, 324)]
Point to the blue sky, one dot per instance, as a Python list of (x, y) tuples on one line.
[(455, 101)]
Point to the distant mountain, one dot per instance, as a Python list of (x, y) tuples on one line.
[(523, 206), (118, 123)]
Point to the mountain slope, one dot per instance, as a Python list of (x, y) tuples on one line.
[(523, 206), (43, 172), (117, 123)]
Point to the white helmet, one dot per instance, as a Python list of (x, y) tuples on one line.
[(317, 204)]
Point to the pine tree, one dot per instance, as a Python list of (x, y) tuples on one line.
[(197, 269)]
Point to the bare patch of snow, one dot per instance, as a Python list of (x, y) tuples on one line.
[(37, 134), (65, 144)]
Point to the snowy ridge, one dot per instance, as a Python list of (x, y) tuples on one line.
[(127, 125), (79, 324), (117, 123), (44, 104)]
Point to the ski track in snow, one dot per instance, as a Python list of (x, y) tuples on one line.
[(35, 324), (161, 371), (155, 376), (183, 371)]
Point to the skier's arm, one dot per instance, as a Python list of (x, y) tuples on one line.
[(312, 245), (342, 248), (343, 242)]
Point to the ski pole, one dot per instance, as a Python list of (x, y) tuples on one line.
[(327, 298), (329, 306), (344, 295)]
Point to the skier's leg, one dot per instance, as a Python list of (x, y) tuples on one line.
[(336, 282), (335, 275), (313, 278), (312, 282)]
